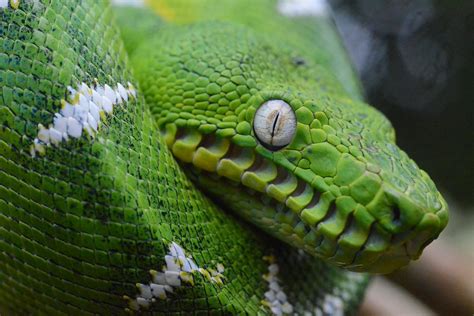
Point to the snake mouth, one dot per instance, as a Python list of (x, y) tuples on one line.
[(278, 202)]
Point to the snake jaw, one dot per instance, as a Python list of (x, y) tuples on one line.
[(377, 231)]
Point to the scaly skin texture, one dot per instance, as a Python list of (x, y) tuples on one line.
[(86, 220), (341, 190)]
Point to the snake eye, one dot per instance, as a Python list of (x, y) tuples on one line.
[(274, 124)]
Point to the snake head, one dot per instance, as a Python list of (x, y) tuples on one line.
[(274, 136)]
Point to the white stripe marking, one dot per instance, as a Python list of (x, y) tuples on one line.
[(178, 271), (275, 298), (84, 114)]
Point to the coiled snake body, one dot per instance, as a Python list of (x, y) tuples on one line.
[(261, 110)]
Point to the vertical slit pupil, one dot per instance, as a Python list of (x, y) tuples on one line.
[(275, 121)]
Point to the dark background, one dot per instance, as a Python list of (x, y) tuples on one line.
[(416, 63), (415, 59)]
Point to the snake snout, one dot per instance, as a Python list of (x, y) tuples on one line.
[(404, 226)]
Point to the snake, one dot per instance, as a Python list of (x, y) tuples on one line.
[(195, 157)]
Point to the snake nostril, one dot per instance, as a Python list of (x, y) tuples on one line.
[(396, 215)]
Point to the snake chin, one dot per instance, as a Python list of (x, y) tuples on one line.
[(276, 201)]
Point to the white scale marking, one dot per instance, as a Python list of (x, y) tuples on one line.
[(9, 4), (303, 7), (275, 298), (84, 114), (178, 271), (133, 3)]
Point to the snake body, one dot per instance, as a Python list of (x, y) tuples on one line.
[(96, 215)]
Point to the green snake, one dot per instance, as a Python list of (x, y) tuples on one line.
[(99, 207)]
